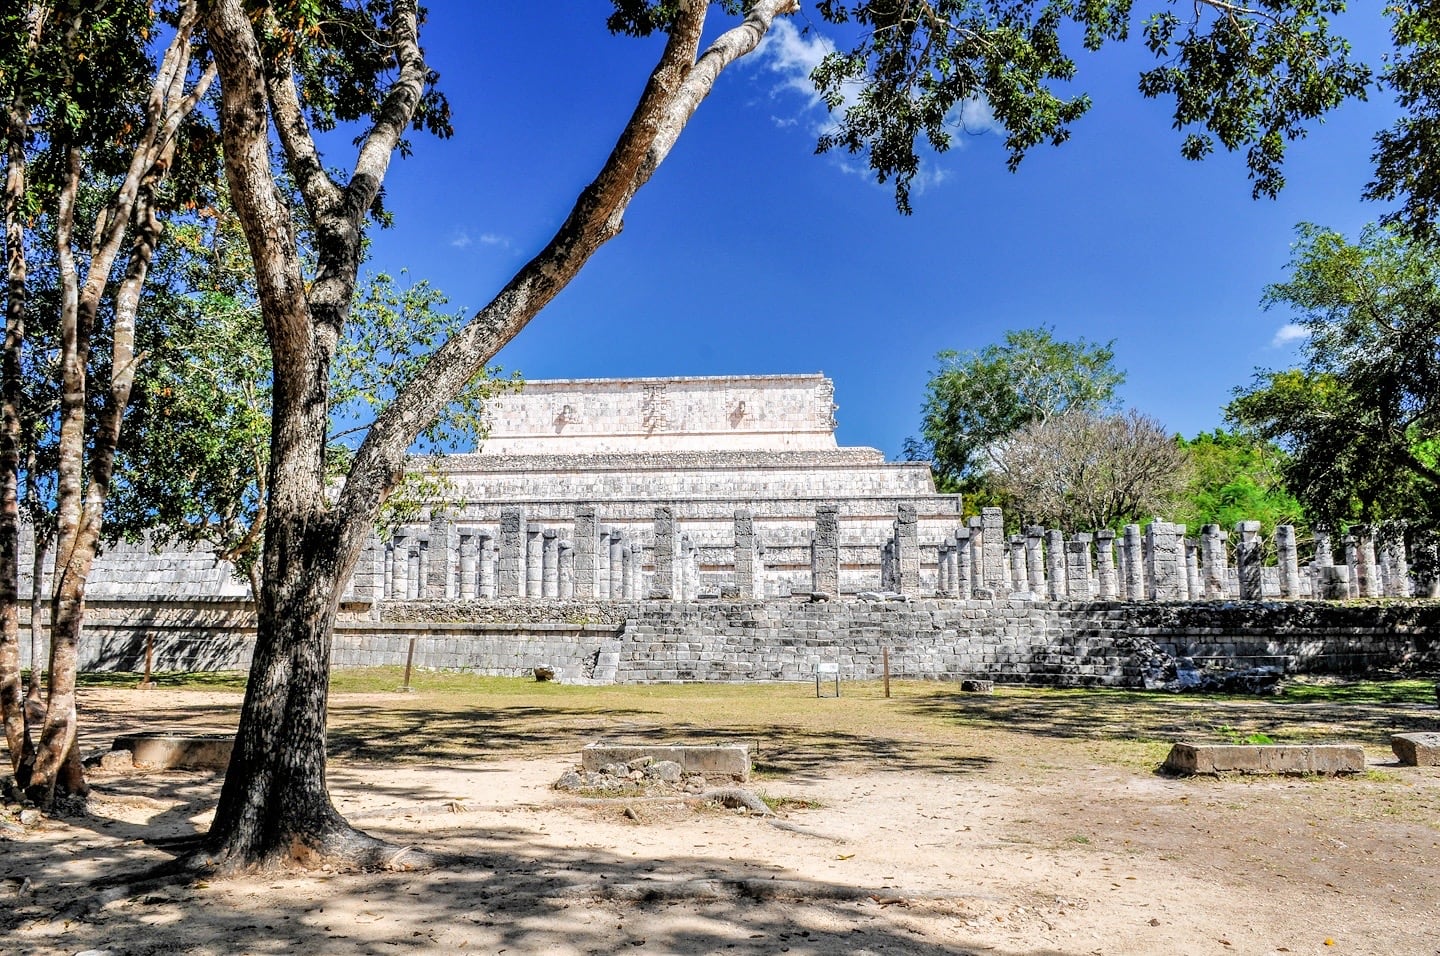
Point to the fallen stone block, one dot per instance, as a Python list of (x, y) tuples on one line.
[(1326, 759), (978, 686), (177, 751), (727, 761), (1417, 750)]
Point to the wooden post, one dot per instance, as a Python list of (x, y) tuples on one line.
[(409, 661), (886, 658), (149, 660)]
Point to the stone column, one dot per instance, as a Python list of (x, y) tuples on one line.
[(1289, 559), (825, 551), (907, 551), (1134, 564), (1166, 563), (1195, 581), (488, 559), (534, 563), (367, 584), (388, 572), (602, 564), (963, 570), (565, 551), (400, 570), (663, 587), (1249, 559), (1105, 564), (1183, 571), (1035, 560), (549, 564), (944, 567), (977, 554), (617, 565), (1324, 550), (1369, 576), (510, 570), (1058, 588), (585, 536), (634, 571), (469, 574), (996, 575), (440, 581), (1400, 568), (421, 582), (745, 556), (1214, 565), (1077, 569), (1019, 577), (1352, 565)]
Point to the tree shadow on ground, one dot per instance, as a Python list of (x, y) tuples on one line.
[(1142, 715), (510, 890), (374, 733)]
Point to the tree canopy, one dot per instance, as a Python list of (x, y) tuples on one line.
[(1360, 417), (976, 399)]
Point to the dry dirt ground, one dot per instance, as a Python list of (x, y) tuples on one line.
[(997, 840)]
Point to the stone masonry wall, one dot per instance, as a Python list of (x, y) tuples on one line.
[(1018, 641)]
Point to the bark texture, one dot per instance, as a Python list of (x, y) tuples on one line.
[(274, 803), (84, 472)]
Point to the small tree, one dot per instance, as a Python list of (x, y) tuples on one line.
[(1080, 470)]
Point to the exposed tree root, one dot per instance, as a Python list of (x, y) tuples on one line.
[(749, 889), (736, 798)]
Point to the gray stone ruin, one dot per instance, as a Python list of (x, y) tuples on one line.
[(666, 560)]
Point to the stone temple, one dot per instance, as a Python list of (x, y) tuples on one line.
[(566, 461)]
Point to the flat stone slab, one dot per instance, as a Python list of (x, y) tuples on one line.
[(1266, 758), (1417, 750), (161, 751), (730, 761)]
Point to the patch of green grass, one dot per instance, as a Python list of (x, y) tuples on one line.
[(1408, 691), (176, 680), (777, 804)]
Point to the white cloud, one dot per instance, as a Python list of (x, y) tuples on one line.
[(1289, 334), (463, 240), (794, 55)]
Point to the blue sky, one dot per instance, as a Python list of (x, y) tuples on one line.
[(747, 254)]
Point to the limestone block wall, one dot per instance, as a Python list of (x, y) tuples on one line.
[(1014, 641)]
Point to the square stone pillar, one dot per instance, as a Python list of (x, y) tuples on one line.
[(534, 563), (1401, 586), (602, 564), (617, 565), (825, 551), (1249, 559), (1369, 573), (1019, 577), (1105, 564), (1035, 560), (565, 570), (627, 571), (995, 574), (487, 560), (1352, 565), (585, 536), (907, 551), (1166, 565), (1057, 588), (469, 565), (977, 554), (745, 556), (440, 576), (1195, 581), (367, 584), (963, 570), (1288, 553), (1213, 564), (388, 570), (400, 571), (663, 587), (1077, 569), (945, 569), (510, 569), (1134, 564), (549, 564)]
